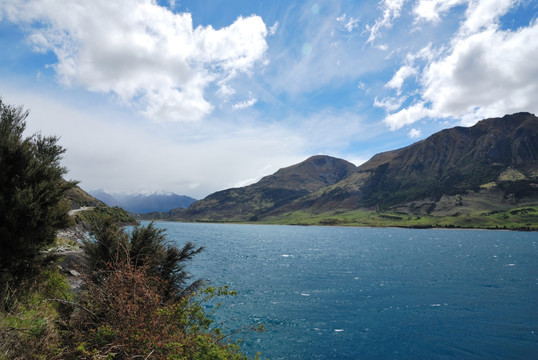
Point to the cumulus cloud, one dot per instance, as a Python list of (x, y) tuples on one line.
[(401, 75), (407, 116), (391, 11), (143, 53), (484, 71), (431, 10), (414, 133), (491, 69), (389, 104), (485, 14)]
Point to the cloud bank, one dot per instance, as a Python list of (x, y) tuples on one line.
[(484, 71), (148, 56)]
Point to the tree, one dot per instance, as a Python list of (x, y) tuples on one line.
[(32, 189)]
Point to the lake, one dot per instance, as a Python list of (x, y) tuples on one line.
[(368, 293)]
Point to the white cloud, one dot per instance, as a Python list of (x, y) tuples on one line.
[(225, 90), (273, 29), (401, 75), (244, 104), (431, 10), (349, 24), (383, 47), (266, 170), (234, 48), (485, 71), (115, 150), (414, 133), (389, 104), (120, 157), (407, 116), (494, 70), (141, 52), (352, 24), (391, 11), (485, 14)]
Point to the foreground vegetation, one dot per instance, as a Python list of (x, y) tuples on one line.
[(135, 303), (136, 300)]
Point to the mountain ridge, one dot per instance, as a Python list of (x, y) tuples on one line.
[(489, 167), (448, 162), (249, 202), (139, 203)]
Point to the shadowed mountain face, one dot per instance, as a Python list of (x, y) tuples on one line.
[(494, 162), (251, 202), (502, 152)]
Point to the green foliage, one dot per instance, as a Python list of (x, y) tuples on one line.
[(124, 317), (100, 213), (109, 245), (122, 313), (146, 247), (137, 302), (31, 327), (31, 193)]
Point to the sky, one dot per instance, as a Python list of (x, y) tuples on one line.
[(193, 97)]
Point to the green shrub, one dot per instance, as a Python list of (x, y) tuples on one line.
[(145, 246)]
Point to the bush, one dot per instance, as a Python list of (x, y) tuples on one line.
[(125, 317), (145, 247)]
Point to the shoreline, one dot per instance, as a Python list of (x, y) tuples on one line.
[(344, 225)]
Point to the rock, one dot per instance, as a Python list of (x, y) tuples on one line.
[(74, 273)]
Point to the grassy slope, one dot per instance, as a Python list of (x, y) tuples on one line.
[(520, 218)]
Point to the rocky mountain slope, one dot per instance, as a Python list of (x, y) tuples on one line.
[(488, 168), (496, 156), (251, 202)]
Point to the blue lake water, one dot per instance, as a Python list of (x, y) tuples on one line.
[(362, 293)]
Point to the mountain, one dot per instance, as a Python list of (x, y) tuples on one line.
[(251, 202), (496, 156), (143, 204), (463, 175)]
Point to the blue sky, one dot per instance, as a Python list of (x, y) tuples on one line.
[(197, 96)]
